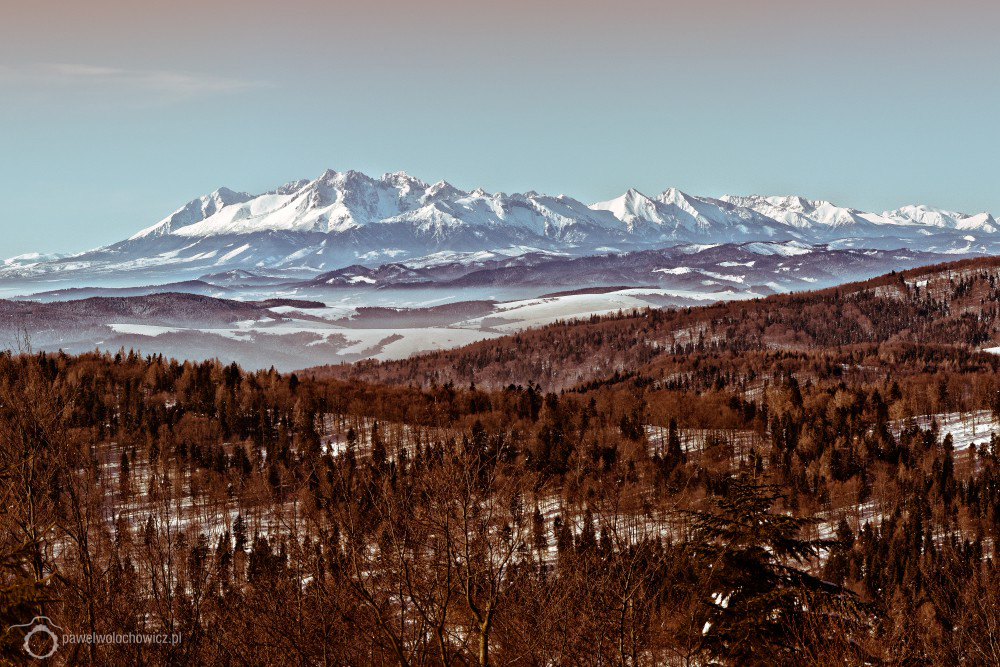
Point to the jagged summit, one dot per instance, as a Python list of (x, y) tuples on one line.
[(345, 217), (195, 211), (934, 217)]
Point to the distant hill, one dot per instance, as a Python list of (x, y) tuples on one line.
[(955, 306)]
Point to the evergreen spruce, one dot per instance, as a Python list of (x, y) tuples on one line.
[(760, 597)]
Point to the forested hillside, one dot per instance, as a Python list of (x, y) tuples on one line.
[(954, 305), (807, 480)]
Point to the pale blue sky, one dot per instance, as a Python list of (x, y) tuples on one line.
[(113, 114)]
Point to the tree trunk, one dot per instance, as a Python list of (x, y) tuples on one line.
[(484, 647), (484, 638)]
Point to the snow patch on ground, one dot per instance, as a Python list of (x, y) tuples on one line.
[(965, 428), (142, 329)]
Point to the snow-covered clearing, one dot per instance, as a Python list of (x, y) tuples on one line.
[(965, 428)]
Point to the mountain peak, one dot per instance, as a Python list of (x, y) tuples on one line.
[(354, 176), (795, 202), (440, 190), (634, 195), (673, 195), (402, 179), (349, 217), (921, 214), (194, 211), (332, 176)]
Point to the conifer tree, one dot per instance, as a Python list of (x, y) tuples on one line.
[(757, 596)]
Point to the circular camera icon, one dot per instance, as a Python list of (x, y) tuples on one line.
[(39, 632)]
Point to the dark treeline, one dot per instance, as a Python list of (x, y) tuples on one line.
[(775, 507)]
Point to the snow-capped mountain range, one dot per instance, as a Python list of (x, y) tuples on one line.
[(344, 218)]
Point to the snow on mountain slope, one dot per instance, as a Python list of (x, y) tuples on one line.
[(675, 215), (30, 259), (194, 212), (340, 202), (935, 217), (917, 227), (309, 227), (338, 219), (334, 202), (790, 249), (818, 216), (634, 208)]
